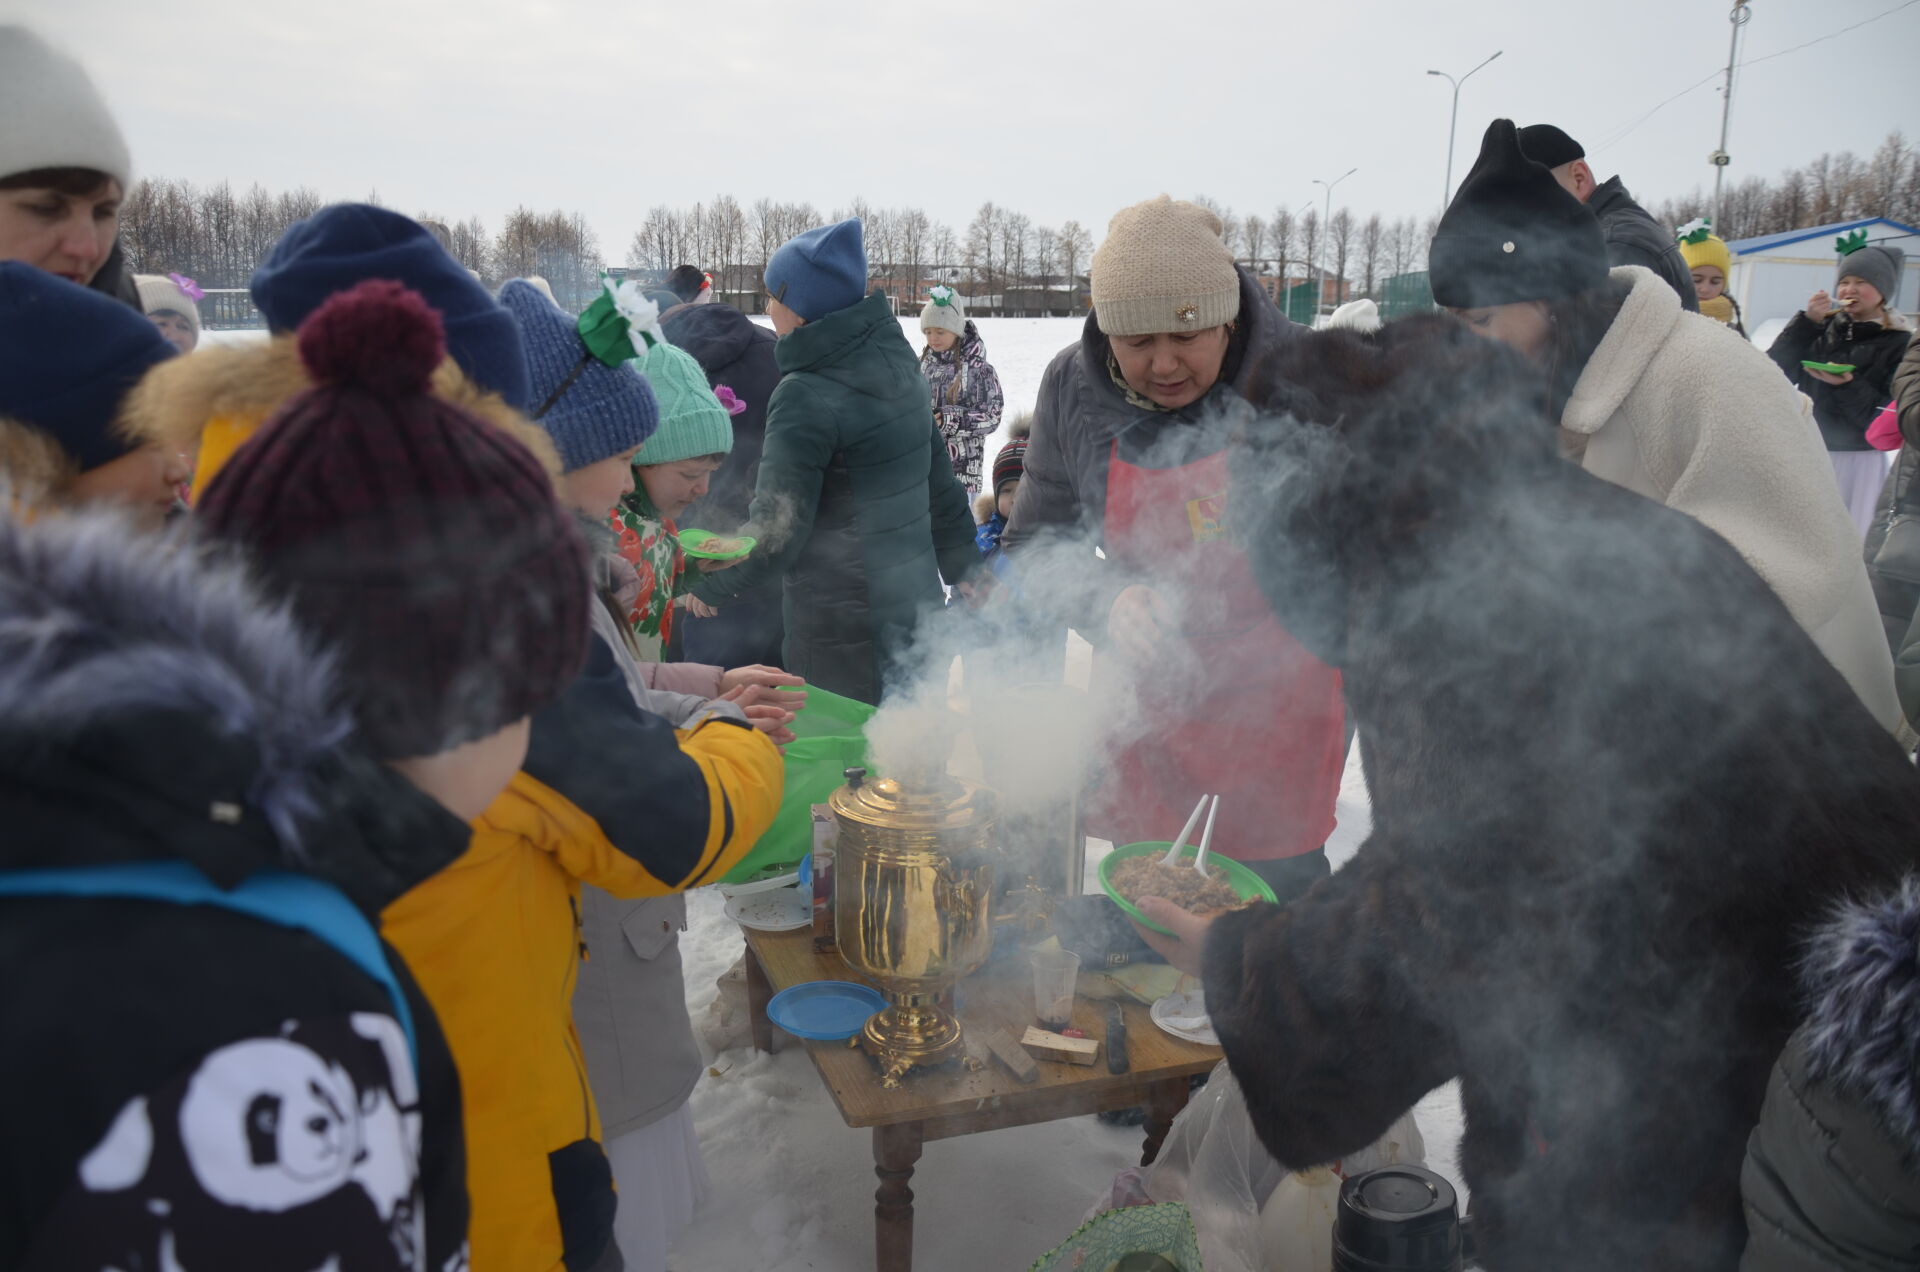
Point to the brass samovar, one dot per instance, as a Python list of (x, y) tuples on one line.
[(913, 894)]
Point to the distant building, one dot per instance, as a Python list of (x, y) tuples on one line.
[(1302, 295), (1774, 274)]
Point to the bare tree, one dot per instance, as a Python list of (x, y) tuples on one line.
[(1015, 230), (1280, 232), (1340, 240), (1046, 253), (1402, 246), (915, 232), (1309, 241), (1076, 250), (470, 244), (946, 247), (1254, 231), (1372, 250), (983, 245)]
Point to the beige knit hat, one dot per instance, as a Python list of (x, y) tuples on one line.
[(1161, 268)]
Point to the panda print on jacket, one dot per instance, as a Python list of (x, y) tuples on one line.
[(294, 1152)]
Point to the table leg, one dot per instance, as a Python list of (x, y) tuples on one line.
[(759, 993), (895, 1149), (1164, 1102)]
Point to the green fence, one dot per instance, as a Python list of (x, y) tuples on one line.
[(1405, 294)]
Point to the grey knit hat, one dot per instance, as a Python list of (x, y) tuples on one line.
[(1162, 267), (1877, 265), (944, 311)]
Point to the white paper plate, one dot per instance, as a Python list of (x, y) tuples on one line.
[(783, 910), (1183, 1014), (786, 880)]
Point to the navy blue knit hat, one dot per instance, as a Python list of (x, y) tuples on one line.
[(821, 271), (68, 355), (349, 243), (591, 410)]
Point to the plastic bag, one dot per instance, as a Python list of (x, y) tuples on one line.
[(1102, 1241), (829, 739), (1213, 1161), (1884, 433)]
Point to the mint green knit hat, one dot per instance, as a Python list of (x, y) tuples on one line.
[(692, 420)]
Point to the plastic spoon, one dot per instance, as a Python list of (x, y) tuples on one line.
[(1173, 853), (1206, 839)]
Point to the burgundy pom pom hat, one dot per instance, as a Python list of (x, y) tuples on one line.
[(423, 543)]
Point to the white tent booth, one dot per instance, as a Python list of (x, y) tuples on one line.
[(1773, 275)]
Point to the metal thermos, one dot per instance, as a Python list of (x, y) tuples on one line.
[(1397, 1219)]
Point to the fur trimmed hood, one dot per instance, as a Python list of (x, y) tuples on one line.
[(177, 400), (34, 468), (154, 706), (1861, 976)]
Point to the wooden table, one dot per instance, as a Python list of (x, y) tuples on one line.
[(956, 1100)]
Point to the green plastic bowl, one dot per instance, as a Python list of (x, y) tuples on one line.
[(693, 543), (1249, 885)]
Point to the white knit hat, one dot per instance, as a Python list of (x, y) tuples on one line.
[(159, 291), (51, 116), (945, 311), (1356, 315), (1162, 267)]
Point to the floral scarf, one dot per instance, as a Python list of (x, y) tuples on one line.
[(649, 543)]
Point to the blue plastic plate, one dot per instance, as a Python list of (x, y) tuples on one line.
[(825, 1011)]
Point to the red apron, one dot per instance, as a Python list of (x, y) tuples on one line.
[(1238, 708)]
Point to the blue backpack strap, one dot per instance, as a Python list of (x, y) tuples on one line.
[(287, 900)]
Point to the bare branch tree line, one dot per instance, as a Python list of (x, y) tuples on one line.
[(217, 238), (1002, 260), (1832, 188)]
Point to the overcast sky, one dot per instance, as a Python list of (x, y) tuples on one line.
[(1062, 110)]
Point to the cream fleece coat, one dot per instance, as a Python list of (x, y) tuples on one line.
[(1681, 409)]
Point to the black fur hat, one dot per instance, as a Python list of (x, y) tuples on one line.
[(1512, 233)]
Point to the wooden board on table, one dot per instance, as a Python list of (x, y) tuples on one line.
[(955, 1099)]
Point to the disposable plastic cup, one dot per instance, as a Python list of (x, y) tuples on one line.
[(1055, 974)]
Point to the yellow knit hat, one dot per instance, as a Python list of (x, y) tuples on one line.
[(1701, 246)]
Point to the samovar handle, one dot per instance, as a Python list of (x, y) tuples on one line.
[(854, 776)]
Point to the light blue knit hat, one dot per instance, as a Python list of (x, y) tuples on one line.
[(591, 410)]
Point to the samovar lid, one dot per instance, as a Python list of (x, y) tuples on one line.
[(938, 802)]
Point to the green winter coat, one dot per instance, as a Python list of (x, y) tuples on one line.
[(856, 506)]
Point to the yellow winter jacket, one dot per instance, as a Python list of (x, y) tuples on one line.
[(494, 941)]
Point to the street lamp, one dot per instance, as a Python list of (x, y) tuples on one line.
[(1326, 228), (1446, 194)]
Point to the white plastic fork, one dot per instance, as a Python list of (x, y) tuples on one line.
[(1173, 853), (1206, 839)]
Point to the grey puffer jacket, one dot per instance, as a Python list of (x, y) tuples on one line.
[(1059, 514), (630, 1001), (1832, 1174), (1893, 544), (1635, 238)]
